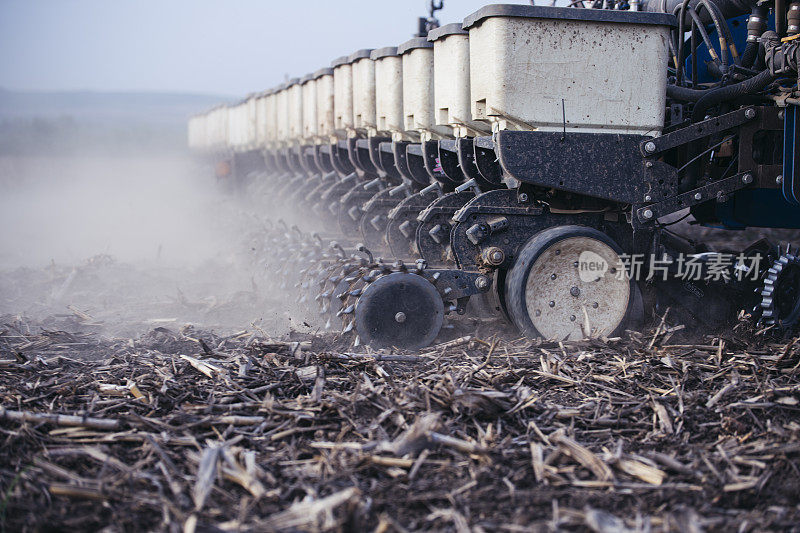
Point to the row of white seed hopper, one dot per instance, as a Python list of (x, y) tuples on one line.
[(506, 67)]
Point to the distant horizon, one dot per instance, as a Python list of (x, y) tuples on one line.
[(152, 92), (35, 123)]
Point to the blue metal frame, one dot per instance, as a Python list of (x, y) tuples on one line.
[(760, 208)]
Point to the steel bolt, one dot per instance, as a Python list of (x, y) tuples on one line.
[(650, 147), (553, 276), (595, 305), (747, 179), (647, 213), (572, 318), (649, 164), (779, 179), (648, 198), (552, 303), (523, 197), (482, 283), (575, 291), (750, 113), (400, 317), (781, 114), (698, 196), (495, 256)]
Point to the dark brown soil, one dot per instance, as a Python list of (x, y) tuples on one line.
[(183, 429)]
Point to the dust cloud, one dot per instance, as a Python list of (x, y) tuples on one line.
[(127, 243)]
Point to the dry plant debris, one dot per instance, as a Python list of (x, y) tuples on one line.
[(188, 431)]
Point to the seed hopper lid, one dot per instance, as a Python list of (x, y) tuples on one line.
[(386, 51), (413, 44), (339, 61), (566, 13), (327, 71), (360, 54), (448, 29)]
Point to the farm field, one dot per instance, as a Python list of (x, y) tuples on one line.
[(155, 397)]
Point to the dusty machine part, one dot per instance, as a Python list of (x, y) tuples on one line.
[(401, 310), (780, 295), (595, 156), (401, 229), (569, 282)]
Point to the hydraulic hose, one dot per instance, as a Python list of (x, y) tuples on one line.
[(749, 55), (756, 25), (684, 94), (704, 34), (680, 10), (723, 32), (728, 8), (713, 97)]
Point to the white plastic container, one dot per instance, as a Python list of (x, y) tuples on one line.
[(325, 111), (250, 123), (363, 69), (282, 115), (218, 130), (194, 138), (295, 110), (224, 126), (238, 130), (451, 75), (417, 57), (234, 126), (308, 87), (607, 66), (271, 123), (388, 89), (261, 120), (342, 95), (211, 129)]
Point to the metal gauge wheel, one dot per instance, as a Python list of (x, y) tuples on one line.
[(566, 284)]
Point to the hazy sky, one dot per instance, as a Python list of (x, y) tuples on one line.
[(229, 47)]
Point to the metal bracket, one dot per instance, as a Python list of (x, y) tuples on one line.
[(456, 284), (766, 169), (712, 191), (657, 145)]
